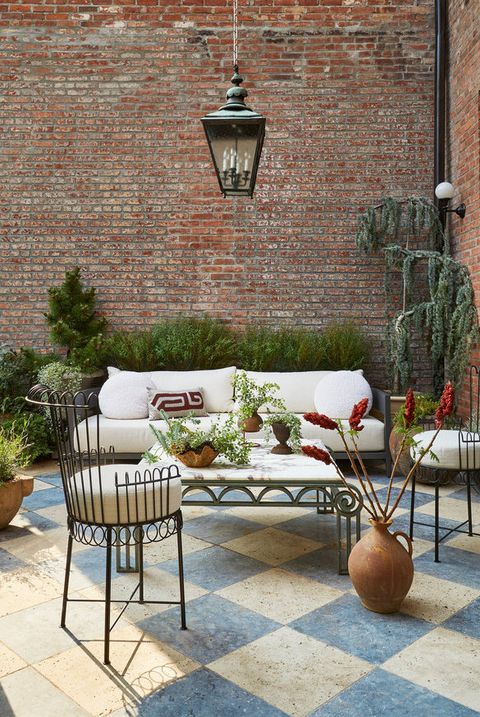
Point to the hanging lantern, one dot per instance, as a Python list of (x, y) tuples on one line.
[(235, 136)]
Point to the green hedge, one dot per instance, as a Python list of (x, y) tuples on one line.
[(199, 343)]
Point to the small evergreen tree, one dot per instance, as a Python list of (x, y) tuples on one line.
[(72, 315)]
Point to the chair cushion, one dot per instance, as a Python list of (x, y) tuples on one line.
[(336, 394), (216, 385), (144, 500), (455, 450)]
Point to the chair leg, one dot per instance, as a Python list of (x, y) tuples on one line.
[(437, 519), (66, 580), (108, 597), (181, 579), (412, 507), (469, 504), (140, 569)]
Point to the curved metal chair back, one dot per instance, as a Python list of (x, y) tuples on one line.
[(109, 504)]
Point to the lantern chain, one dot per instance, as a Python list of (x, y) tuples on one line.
[(235, 34)]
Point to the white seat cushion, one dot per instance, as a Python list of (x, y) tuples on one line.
[(144, 500), (216, 385), (370, 439), (446, 448), (130, 436)]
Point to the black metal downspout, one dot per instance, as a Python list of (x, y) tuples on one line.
[(440, 94)]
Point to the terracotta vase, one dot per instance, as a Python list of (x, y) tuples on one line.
[(11, 496), (199, 458), (252, 424), (282, 434), (381, 569)]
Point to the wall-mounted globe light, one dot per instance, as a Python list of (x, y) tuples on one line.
[(235, 136), (444, 192)]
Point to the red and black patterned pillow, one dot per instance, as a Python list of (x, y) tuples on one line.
[(181, 402)]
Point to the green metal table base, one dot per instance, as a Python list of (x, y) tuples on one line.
[(328, 497)]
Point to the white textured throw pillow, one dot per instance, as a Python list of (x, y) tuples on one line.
[(124, 395), (337, 393)]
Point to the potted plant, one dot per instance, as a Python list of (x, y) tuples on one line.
[(60, 377), (380, 568), (13, 486), (75, 325), (286, 427), (198, 447), (249, 396)]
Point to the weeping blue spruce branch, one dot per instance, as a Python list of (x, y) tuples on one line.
[(447, 312)]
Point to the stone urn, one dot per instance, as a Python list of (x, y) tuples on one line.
[(201, 457), (11, 495), (282, 434), (381, 569), (252, 424)]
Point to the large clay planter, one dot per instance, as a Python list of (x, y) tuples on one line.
[(282, 434), (381, 569), (199, 458), (252, 424), (11, 496)]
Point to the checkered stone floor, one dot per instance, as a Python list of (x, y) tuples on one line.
[(273, 630)]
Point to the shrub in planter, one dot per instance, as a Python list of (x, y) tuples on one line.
[(60, 377), (36, 427), (130, 351), (186, 343), (18, 372), (72, 318), (344, 348), (289, 349), (13, 487)]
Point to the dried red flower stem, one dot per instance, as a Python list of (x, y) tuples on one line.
[(358, 476), (412, 470), (367, 477), (409, 413), (394, 470)]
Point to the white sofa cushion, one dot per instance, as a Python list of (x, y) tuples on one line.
[(135, 436), (216, 385), (124, 395), (336, 394), (141, 502), (446, 448), (296, 387)]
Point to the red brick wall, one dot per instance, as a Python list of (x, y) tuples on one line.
[(103, 162), (464, 134)]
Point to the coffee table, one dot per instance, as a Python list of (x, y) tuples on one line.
[(276, 480)]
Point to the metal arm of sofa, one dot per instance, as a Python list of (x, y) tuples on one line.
[(381, 409)]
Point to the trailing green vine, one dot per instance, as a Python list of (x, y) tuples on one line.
[(447, 310)]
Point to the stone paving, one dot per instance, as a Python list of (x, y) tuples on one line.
[(273, 630)]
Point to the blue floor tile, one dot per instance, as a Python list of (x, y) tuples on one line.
[(346, 624), (220, 528), (466, 621), (458, 566), (215, 567), (422, 532), (215, 627), (52, 478), (381, 694), (43, 499), (9, 562), (321, 565), (420, 498), (205, 694)]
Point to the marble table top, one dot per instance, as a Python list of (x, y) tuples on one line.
[(264, 466)]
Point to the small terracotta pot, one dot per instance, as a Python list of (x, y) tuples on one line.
[(282, 434), (252, 424), (11, 496), (381, 569), (200, 458)]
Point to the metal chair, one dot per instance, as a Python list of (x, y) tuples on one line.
[(458, 452), (110, 504)]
